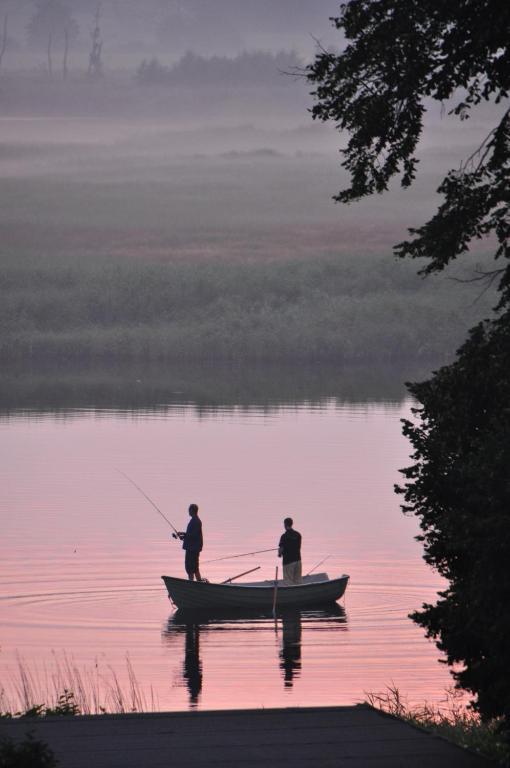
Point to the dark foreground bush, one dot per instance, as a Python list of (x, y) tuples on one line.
[(29, 753)]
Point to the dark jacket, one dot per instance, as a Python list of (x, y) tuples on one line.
[(193, 540), (290, 544)]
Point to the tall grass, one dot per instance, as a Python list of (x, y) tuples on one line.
[(330, 309), (65, 688), (453, 720)]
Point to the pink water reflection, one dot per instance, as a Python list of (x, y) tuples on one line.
[(82, 552)]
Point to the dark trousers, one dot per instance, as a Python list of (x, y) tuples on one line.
[(191, 562)]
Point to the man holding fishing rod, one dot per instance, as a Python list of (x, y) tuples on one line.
[(192, 538), (192, 543), (289, 549)]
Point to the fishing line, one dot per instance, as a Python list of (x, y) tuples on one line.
[(244, 554), (150, 501), (316, 566)]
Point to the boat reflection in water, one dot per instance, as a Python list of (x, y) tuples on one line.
[(292, 628)]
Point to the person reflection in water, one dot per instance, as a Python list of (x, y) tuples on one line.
[(192, 543), (289, 549), (192, 672), (290, 654)]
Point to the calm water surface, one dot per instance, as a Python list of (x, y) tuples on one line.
[(82, 552)]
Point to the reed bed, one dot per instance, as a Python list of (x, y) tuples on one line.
[(64, 688), (329, 309)]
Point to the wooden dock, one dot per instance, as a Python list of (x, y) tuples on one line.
[(357, 737)]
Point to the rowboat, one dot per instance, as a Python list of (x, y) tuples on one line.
[(316, 589)]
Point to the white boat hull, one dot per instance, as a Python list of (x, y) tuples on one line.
[(201, 595)]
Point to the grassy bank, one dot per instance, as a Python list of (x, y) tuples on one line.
[(452, 721), (348, 309)]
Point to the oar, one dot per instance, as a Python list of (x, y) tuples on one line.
[(227, 581)]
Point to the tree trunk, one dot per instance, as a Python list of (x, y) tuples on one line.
[(3, 45), (95, 69), (50, 62), (66, 53)]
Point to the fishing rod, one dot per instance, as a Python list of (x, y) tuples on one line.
[(150, 502), (316, 566), (244, 554)]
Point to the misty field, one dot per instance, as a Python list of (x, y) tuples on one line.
[(341, 309), (217, 243)]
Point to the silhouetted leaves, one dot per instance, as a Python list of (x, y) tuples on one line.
[(459, 488), (398, 54)]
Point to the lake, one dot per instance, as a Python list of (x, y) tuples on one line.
[(81, 598)]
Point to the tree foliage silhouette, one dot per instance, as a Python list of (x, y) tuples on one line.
[(459, 488), (398, 55)]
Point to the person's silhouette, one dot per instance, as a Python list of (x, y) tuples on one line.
[(290, 653), (192, 670)]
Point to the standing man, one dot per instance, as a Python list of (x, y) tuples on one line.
[(192, 543), (289, 549)]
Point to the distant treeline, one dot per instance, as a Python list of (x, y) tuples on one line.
[(248, 68), (222, 25), (342, 309)]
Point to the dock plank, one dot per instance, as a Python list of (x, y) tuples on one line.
[(319, 737)]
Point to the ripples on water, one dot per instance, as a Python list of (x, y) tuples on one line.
[(82, 553), (330, 656)]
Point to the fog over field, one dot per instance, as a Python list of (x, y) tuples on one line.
[(169, 28), (166, 195)]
